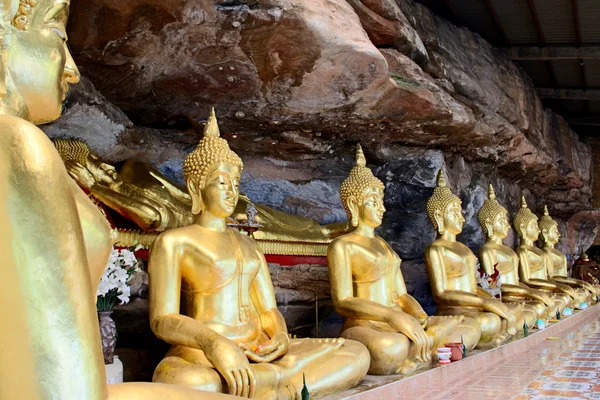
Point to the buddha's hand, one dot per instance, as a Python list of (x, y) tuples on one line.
[(80, 174), (233, 365), (268, 351), (412, 329)]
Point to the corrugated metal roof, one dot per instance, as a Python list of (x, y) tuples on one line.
[(558, 23), (589, 14), (539, 72), (592, 73), (476, 15), (515, 18), (568, 73), (556, 20), (575, 106)]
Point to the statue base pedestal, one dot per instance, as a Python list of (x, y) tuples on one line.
[(114, 371)]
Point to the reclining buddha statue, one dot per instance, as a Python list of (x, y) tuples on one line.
[(495, 255), (558, 271), (534, 263), (53, 240), (368, 290), (452, 270), (212, 299), (141, 194)]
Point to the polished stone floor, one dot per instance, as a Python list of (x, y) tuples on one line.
[(565, 368)]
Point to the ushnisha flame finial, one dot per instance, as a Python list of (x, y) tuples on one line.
[(546, 213), (441, 179), (361, 161), (491, 192), (211, 129), (523, 202)]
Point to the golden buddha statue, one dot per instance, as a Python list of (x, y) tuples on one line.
[(452, 270), (495, 255), (53, 240), (140, 193), (212, 299), (534, 263), (137, 192), (558, 271), (368, 289)]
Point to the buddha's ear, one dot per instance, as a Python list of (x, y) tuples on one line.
[(3, 66), (439, 220), (489, 226), (352, 204), (197, 203)]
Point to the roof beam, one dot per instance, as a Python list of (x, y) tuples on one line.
[(568, 94), (535, 53)]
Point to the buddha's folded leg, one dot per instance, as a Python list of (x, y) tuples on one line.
[(493, 330), (190, 370), (522, 312), (541, 309), (467, 332), (560, 301), (388, 350), (340, 370)]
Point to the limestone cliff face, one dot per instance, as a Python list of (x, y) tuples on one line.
[(296, 83)]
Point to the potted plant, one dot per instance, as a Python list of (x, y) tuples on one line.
[(113, 287)]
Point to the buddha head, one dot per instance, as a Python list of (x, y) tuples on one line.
[(212, 173), (548, 228), (36, 66), (526, 222), (80, 160), (492, 217), (444, 208), (362, 194)]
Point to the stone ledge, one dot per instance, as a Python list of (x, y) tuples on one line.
[(397, 387)]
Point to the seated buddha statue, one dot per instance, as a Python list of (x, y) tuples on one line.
[(534, 263), (495, 255), (368, 290), (54, 241), (140, 193), (558, 271), (212, 299), (452, 268)]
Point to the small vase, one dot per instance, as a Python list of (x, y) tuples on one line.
[(457, 350), (108, 333)]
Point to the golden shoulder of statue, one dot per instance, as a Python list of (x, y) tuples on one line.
[(368, 289), (452, 268), (53, 239), (211, 297)]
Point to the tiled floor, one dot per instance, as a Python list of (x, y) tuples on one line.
[(567, 368)]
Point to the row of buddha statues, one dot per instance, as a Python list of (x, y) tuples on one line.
[(212, 299), (211, 295)]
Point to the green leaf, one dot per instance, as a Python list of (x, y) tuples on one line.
[(305, 394)]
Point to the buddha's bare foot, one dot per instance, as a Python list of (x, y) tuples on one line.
[(302, 355), (290, 392), (439, 327), (406, 367)]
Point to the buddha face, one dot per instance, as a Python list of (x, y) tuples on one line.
[(371, 208), (452, 220), (220, 193), (500, 225), (532, 231), (39, 62), (551, 236)]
